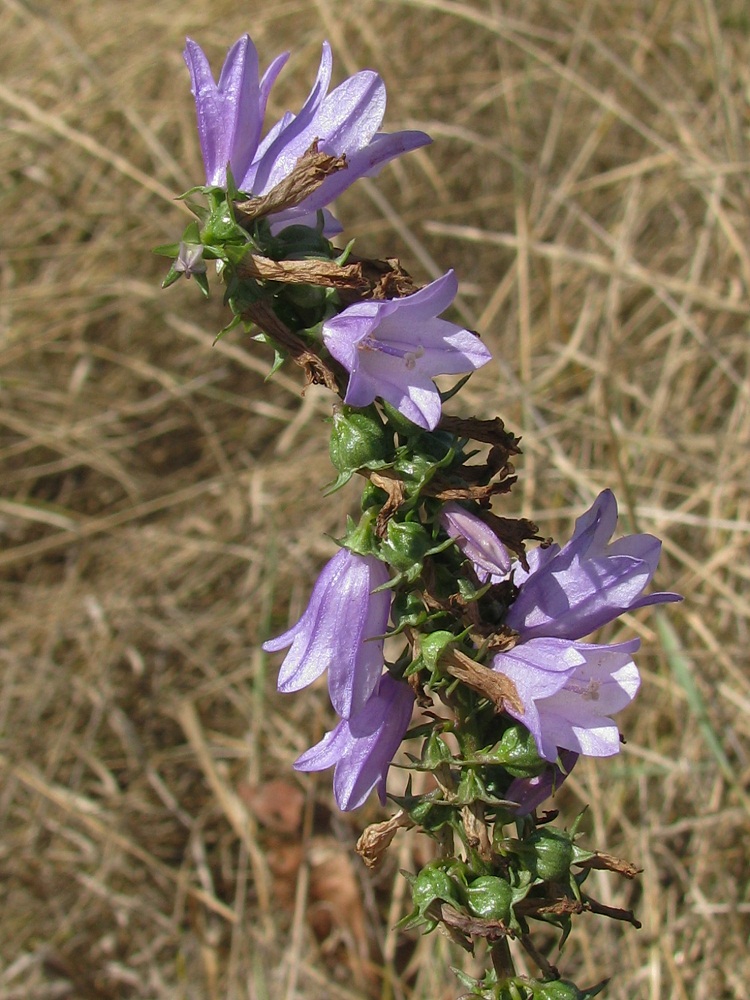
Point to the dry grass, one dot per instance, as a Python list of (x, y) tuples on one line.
[(590, 183)]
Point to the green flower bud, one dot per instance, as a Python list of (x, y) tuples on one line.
[(559, 989), (221, 226), (405, 547), (518, 754), (358, 440), (490, 897), (432, 645), (432, 883), (554, 853)]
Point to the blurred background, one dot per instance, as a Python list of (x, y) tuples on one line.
[(161, 509)]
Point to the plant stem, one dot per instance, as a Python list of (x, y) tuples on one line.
[(502, 961)]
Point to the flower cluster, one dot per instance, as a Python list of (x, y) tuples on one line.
[(495, 644), (389, 346), (342, 632), (569, 689)]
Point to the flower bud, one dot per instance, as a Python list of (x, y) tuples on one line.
[(554, 853), (518, 754), (559, 989), (490, 897), (405, 546), (358, 439)]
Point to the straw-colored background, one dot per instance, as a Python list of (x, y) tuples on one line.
[(161, 508)]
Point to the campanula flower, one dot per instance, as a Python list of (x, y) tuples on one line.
[(477, 541), (569, 690), (346, 121), (341, 631), (570, 592), (361, 748), (393, 348)]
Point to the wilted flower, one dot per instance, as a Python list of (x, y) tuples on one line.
[(529, 793), (341, 631), (190, 259), (393, 348), (569, 690), (346, 121), (361, 748), (572, 591), (477, 541)]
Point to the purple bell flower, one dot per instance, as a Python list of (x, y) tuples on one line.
[(569, 690), (346, 121), (571, 592), (477, 541), (341, 631), (393, 348), (361, 748)]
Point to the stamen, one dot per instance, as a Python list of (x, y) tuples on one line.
[(410, 358)]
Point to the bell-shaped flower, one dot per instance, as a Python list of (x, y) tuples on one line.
[(362, 747), (567, 692), (230, 112), (571, 591), (344, 122), (393, 348), (341, 631), (530, 793), (477, 541)]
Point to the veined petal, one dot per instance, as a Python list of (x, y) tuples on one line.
[(431, 300), (229, 120), (364, 163), (280, 155), (538, 668), (577, 716), (390, 354), (573, 591), (362, 747), (340, 631), (268, 80)]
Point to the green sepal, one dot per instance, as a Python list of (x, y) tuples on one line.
[(471, 788), (417, 469), (220, 225), (428, 811), (201, 281), (167, 250), (171, 277), (408, 611), (450, 393), (434, 753), (361, 537)]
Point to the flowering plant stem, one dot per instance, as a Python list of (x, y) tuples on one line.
[(507, 694)]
